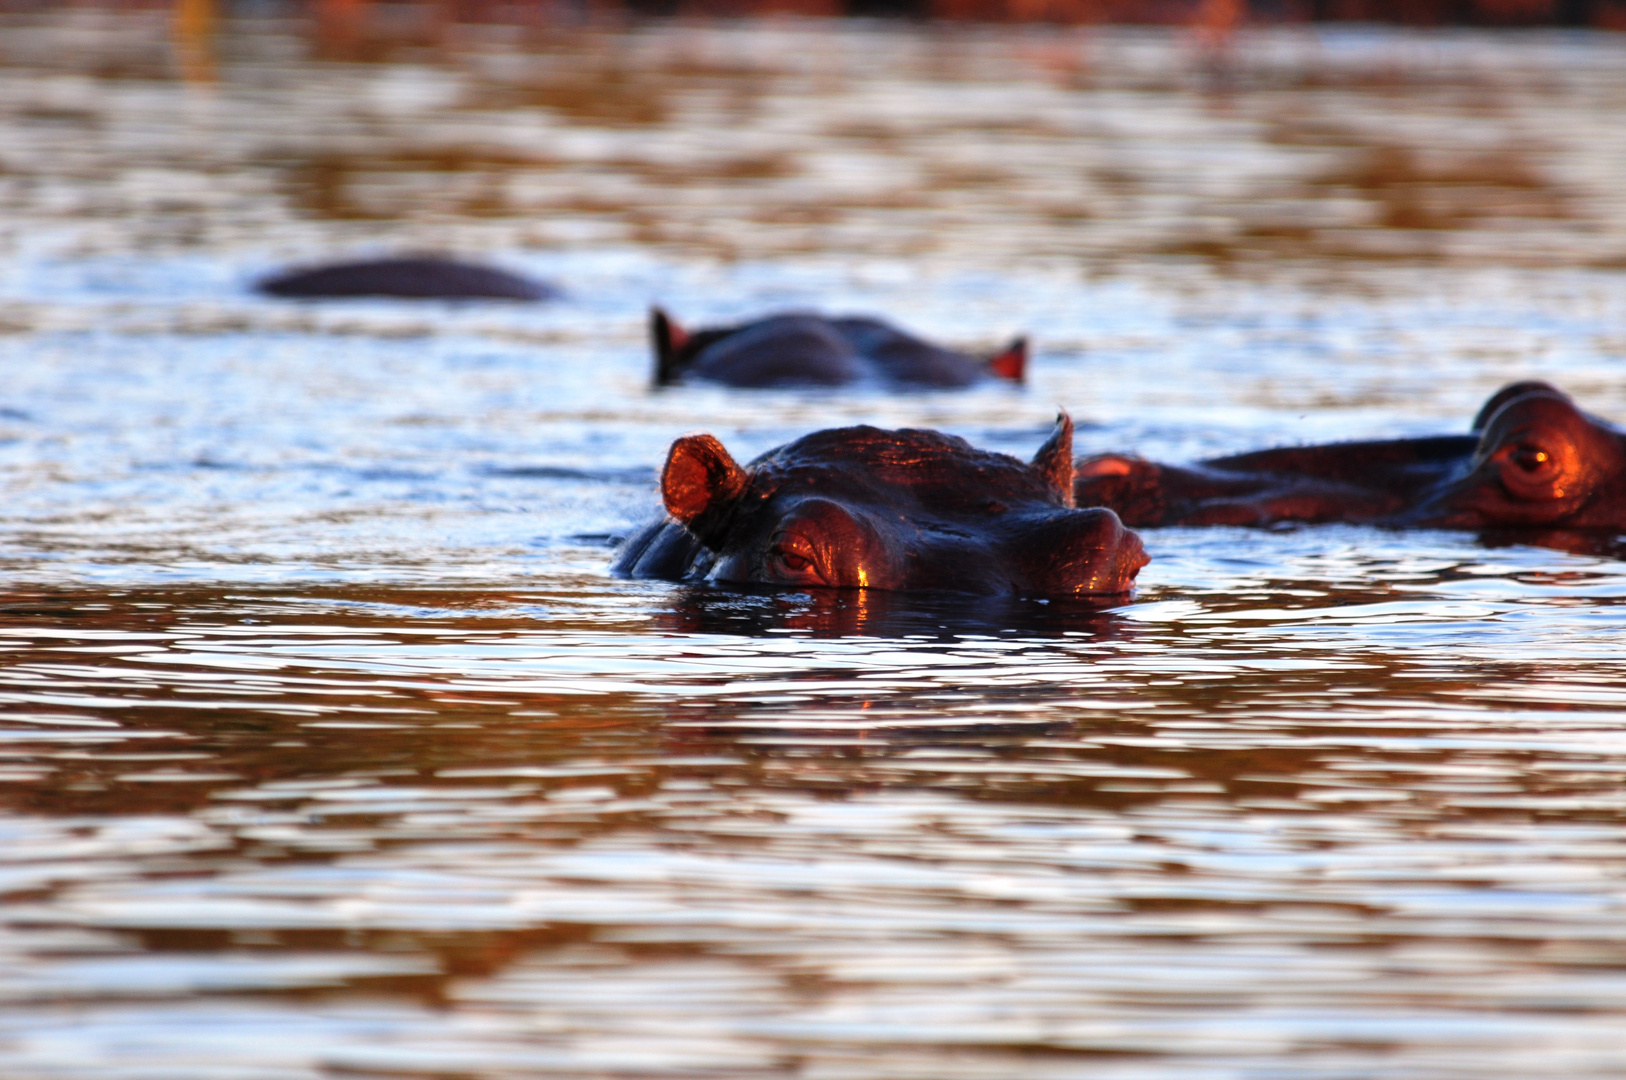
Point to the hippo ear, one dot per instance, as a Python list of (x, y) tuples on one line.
[(1012, 363), (669, 339), (701, 485), (1054, 461)]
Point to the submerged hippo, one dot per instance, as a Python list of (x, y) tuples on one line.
[(424, 277), (904, 510), (811, 350), (1533, 461)]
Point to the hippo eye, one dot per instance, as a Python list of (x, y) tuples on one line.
[(1533, 470), (1530, 458), (792, 557)]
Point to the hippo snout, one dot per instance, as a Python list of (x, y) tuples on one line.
[(1078, 553), (1132, 555)]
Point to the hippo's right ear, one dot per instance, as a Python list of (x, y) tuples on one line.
[(701, 485), (1054, 461), (669, 339)]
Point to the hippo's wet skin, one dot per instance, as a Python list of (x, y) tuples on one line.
[(902, 510), (1533, 462), (810, 350), (413, 278)]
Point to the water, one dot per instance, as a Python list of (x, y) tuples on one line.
[(330, 748)]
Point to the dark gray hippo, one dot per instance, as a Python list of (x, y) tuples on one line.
[(810, 350), (418, 277), (905, 510), (1532, 460)]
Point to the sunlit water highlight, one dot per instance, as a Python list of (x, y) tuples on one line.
[(328, 746)]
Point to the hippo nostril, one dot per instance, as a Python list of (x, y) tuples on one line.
[(1078, 553), (1135, 553)]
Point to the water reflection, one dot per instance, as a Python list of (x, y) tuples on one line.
[(834, 613), (328, 745), (1607, 543), (427, 831)]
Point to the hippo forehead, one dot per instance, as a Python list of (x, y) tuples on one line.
[(904, 469), (1542, 404)]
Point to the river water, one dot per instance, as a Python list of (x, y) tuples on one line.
[(329, 747)]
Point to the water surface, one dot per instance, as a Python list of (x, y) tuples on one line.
[(329, 747)]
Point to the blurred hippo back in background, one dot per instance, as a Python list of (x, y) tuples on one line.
[(801, 349), (417, 277)]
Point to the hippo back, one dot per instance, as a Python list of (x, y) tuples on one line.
[(415, 278), (788, 350), (903, 358)]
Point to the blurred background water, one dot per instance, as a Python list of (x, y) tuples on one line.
[(329, 747)]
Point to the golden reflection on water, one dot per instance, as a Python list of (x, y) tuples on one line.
[(328, 747), (426, 831)]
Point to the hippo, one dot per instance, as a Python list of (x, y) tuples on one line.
[(1533, 461), (907, 510), (797, 349), (423, 277)]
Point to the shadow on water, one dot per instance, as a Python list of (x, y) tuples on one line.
[(840, 613), (1606, 544)]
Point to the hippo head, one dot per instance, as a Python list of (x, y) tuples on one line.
[(1540, 461), (860, 507)]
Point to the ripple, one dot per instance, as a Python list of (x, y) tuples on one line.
[(328, 744)]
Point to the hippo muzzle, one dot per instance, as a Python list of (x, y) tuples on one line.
[(1082, 553)]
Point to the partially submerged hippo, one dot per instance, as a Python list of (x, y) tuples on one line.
[(904, 510), (423, 277), (811, 350), (1533, 461)]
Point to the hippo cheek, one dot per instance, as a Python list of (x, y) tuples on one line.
[(1479, 500), (956, 562), (1080, 553)]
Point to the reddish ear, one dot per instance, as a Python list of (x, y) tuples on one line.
[(669, 339), (700, 486), (1011, 364), (1054, 461)]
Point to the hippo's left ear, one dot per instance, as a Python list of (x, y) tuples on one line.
[(1054, 461), (701, 485)]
